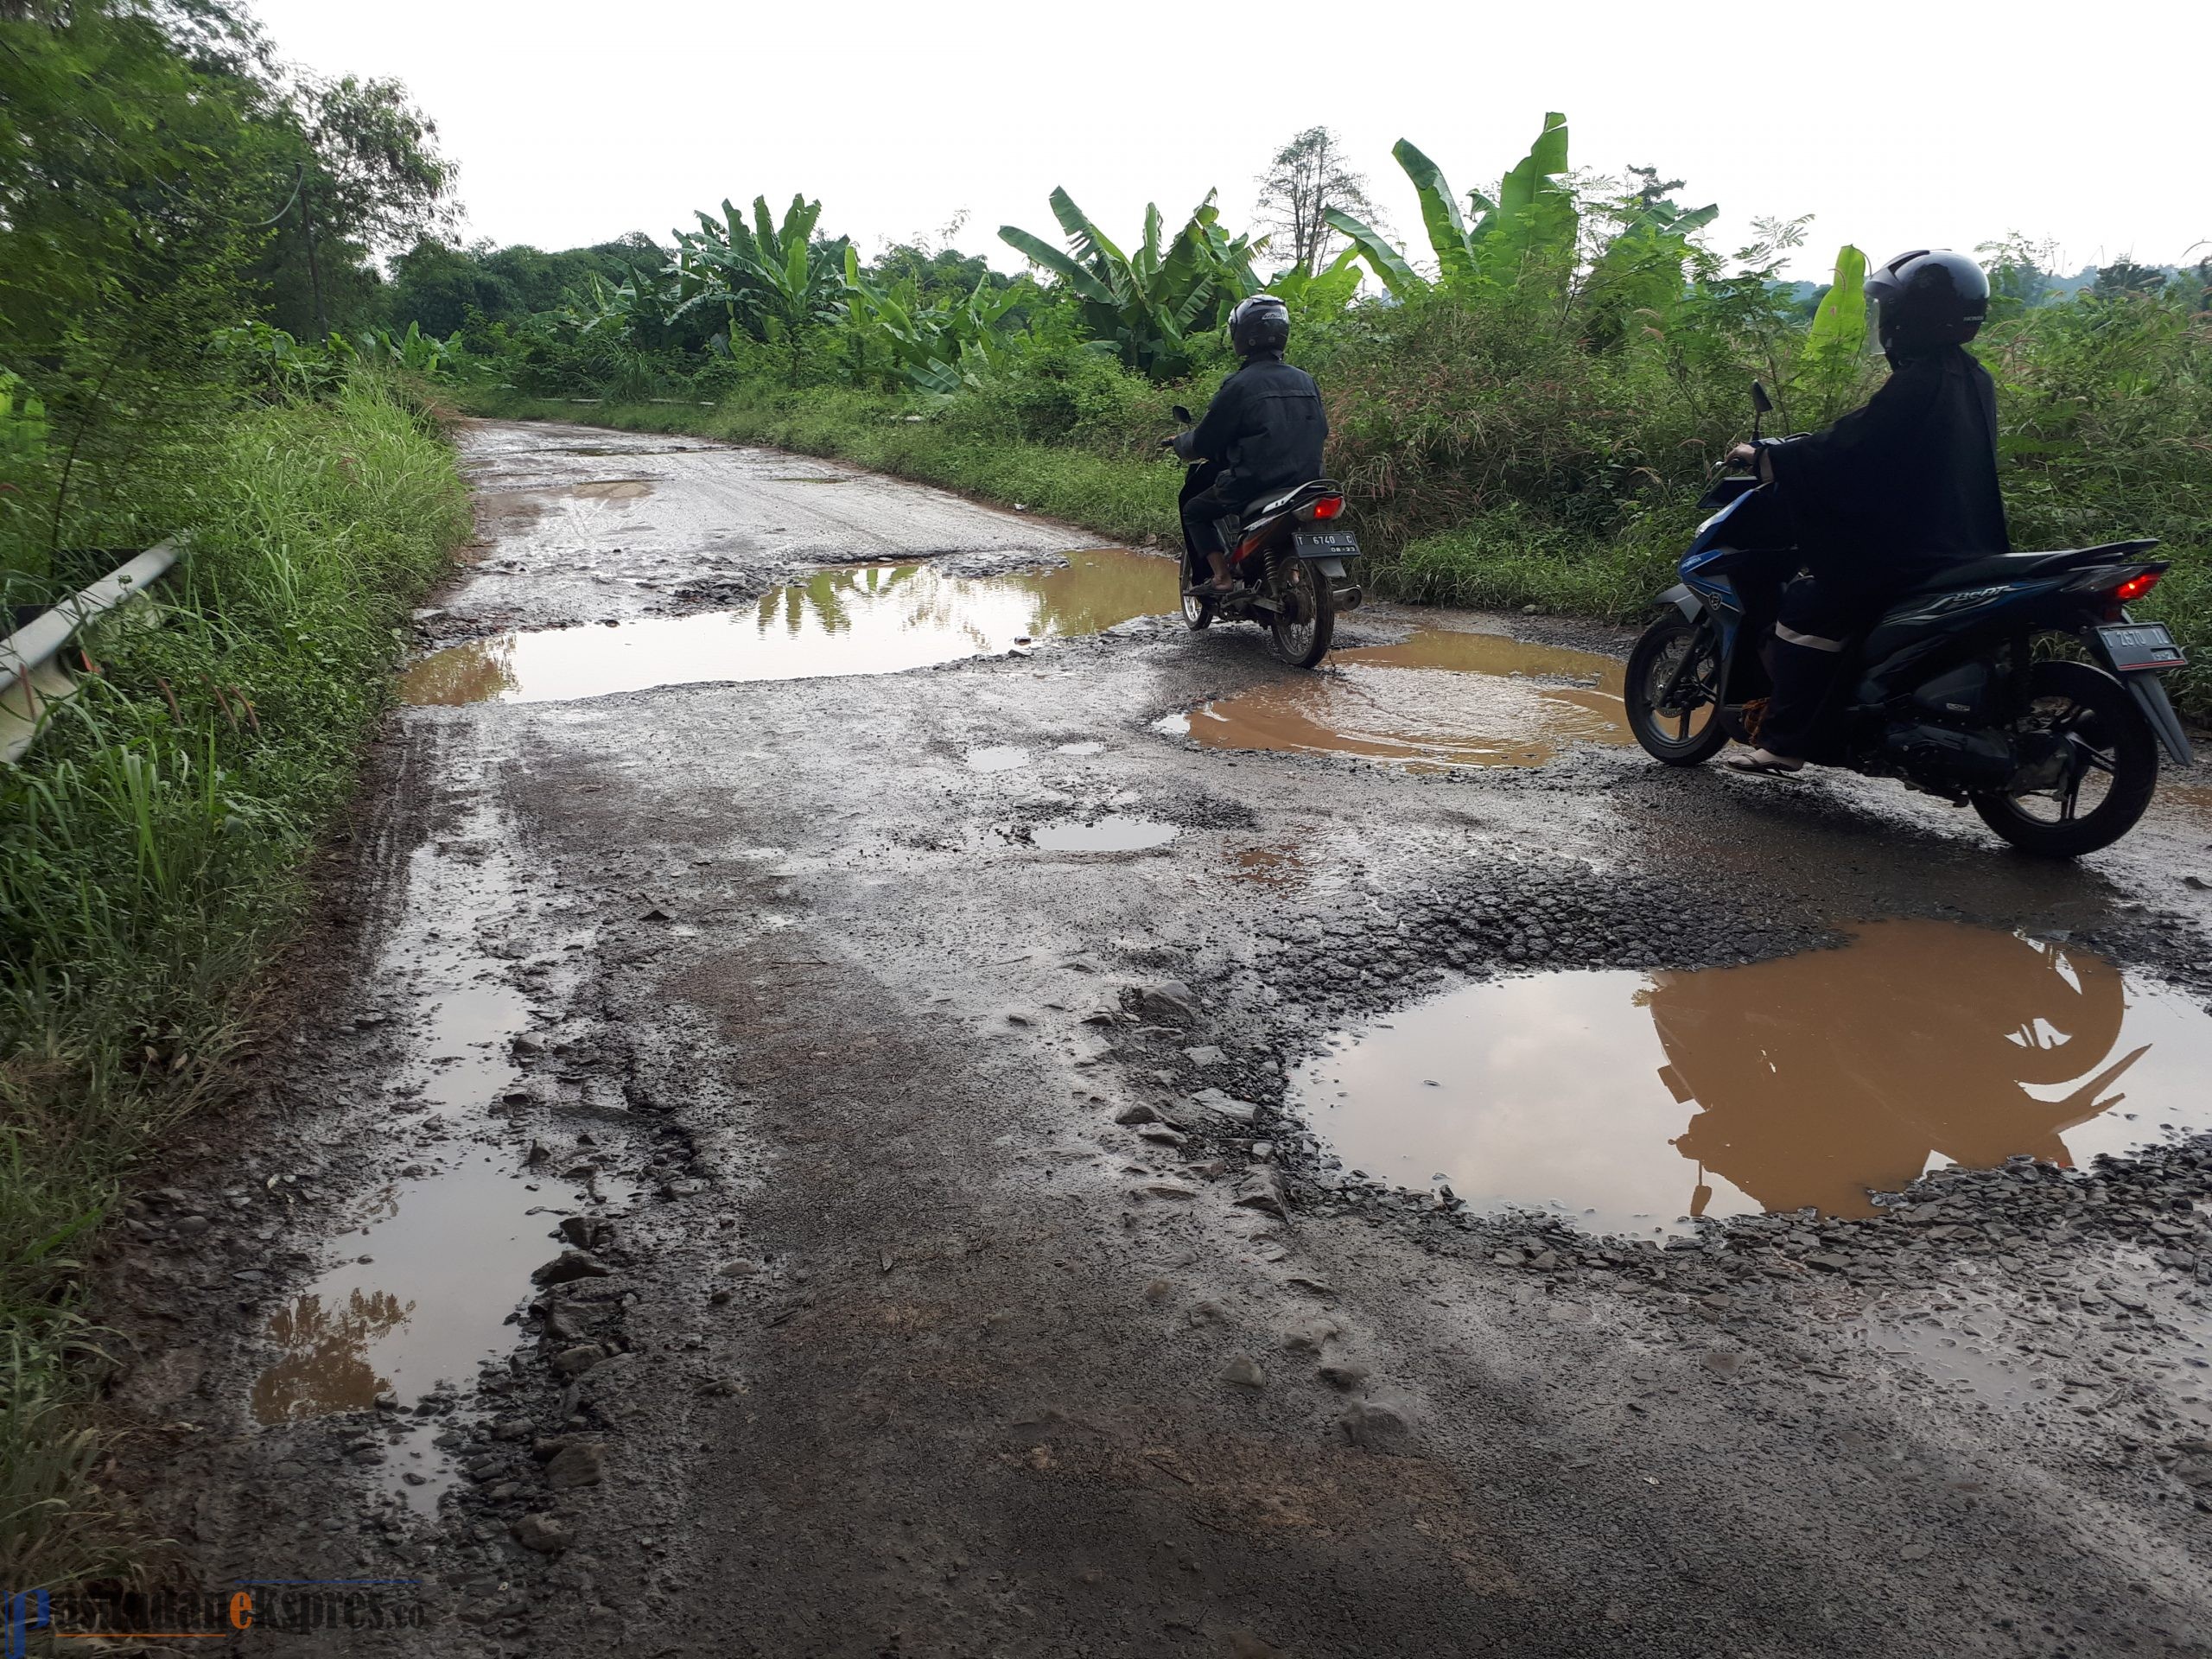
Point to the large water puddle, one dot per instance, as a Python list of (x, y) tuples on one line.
[(1632, 1101), (869, 620), (425, 1276), (1440, 698), (1113, 833)]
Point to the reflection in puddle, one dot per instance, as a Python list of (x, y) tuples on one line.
[(1439, 698), (1111, 834), (1636, 1099), (428, 1273), (871, 619), (1001, 758)]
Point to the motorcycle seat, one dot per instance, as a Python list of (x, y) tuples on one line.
[(1311, 490), (2020, 567)]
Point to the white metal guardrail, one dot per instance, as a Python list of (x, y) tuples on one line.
[(33, 677)]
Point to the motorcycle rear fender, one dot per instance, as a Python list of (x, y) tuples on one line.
[(1684, 600), (2150, 697)]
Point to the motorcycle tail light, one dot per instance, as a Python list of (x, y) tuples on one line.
[(2136, 585), (1328, 506)]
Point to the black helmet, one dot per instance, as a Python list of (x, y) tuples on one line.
[(1928, 299), (1259, 324)]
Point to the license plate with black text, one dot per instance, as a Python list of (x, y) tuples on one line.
[(1326, 543), (2136, 645)]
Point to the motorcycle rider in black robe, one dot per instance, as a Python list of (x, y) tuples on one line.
[(1886, 496), (1262, 434)]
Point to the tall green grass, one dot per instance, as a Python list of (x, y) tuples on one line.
[(150, 844)]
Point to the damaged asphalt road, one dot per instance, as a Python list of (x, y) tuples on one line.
[(850, 1165)]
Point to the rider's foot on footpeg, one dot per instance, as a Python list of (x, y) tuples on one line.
[(1763, 761)]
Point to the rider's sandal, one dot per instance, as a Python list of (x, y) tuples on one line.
[(1759, 760)]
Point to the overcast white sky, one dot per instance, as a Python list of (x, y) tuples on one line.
[(1944, 122)]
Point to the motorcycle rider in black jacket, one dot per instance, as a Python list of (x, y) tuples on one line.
[(1888, 495), (1262, 434)]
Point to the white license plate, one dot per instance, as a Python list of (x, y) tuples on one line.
[(1326, 545), (2136, 645)]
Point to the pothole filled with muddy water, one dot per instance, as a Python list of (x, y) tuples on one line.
[(869, 620), (424, 1277), (1630, 1102), (1437, 698)]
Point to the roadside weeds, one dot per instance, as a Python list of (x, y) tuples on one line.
[(150, 869)]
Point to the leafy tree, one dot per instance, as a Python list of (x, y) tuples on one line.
[(1307, 177), (2125, 277), (934, 272), (2020, 273), (371, 180), (133, 190)]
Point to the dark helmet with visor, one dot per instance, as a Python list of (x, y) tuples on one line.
[(1928, 299), (1261, 324)]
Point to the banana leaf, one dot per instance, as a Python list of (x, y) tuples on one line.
[(1041, 252), (1839, 332), (1535, 213), (1400, 279), (1447, 233), (1088, 242)]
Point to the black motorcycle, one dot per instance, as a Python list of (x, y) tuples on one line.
[(2015, 684), (1288, 562)]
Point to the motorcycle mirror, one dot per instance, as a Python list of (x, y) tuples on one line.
[(1760, 401), (1181, 414)]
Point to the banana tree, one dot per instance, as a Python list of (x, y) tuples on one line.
[(939, 346), (775, 281), (1146, 308), (1834, 354), (1532, 225), (1328, 290)]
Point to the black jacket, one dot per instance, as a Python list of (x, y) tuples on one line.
[(1896, 490), (1266, 428)]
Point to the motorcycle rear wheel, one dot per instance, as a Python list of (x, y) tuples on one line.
[(1307, 620), (1675, 733), (2121, 757)]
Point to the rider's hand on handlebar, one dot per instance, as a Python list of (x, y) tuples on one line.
[(1167, 443), (1750, 456)]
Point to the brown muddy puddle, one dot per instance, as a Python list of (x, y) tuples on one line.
[(1630, 1102), (863, 620), (1440, 698), (423, 1278)]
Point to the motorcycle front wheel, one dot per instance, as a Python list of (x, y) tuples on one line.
[(1306, 619), (1681, 726), (1198, 612), (2115, 769)]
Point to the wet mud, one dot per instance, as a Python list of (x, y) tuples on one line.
[(1439, 698), (426, 1274), (978, 1280), (877, 620), (1636, 1103)]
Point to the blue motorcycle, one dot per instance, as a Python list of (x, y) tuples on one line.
[(2015, 684)]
